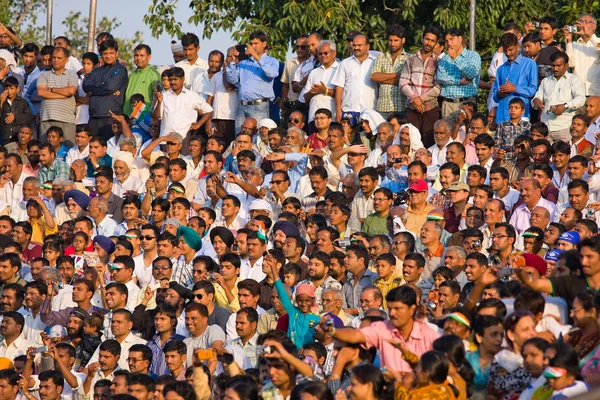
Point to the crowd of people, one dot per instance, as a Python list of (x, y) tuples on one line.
[(243, 227)]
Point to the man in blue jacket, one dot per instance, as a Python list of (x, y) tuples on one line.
[(107, 84)]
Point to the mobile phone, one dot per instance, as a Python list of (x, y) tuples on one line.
[(204, 355), (41, 349), (506, 271), (155, 285), (396, 160), (158, 87), (140, 214), (235, 247), (226, 358), (241, 49)]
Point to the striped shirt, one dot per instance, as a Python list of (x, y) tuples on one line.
[(62, 110), (418, 78), (451, 71)]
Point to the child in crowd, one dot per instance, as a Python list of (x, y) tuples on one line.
[(92, 337), (140, 117), (507, 131), (291, 274), (388, 280), (15, 111)]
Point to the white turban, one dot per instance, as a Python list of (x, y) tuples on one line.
[(415, 137), (375, 119), (176, 46), (124, 156), (9, 58)]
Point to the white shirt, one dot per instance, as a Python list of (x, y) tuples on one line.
[(252, 272), (521, 216), (191, 70), (82, 113), (143, 273), (583, 58), (33, 327), (360, 93), (63, 299), (200, 84), (567, 90), (132, 294), (131, 183), (510, 199), (590, 134), (12, 194), (438, 156), (126, 344), (361, 206), (75, 154), (304, 68), (224, 102), (317, 76), (106, 227), (231, 332), (16, 348), (289, 70), (73, 64), (179, 112)]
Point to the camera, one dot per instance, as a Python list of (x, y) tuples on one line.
[(536, 24), (401, 198), (572, 29), (590, 213), (506, 271), (262, 350), (343, 243), (396, 160), (431, 306), (476, 243), (329, 323)]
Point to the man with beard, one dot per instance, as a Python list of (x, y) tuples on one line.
[(35, 293), (75, 326), (293, 249), (318, 267), (266, 285), (77, 203), (83, 291), (282, 230), (33, 157)]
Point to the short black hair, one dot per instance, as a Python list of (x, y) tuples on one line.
[(402, 294), (112, 346)]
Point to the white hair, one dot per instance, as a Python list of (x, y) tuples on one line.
[(331, 44)]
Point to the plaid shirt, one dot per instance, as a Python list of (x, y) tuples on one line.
[(507, 132), (182, 272), (249, 350), (159, 365), (390, 98), (451, 71), (418, 79), (58, 169)]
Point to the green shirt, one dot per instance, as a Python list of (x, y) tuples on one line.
[(375, 225), (141, 81)]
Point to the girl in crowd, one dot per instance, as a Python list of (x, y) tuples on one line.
[(508, 377), (586, 340), (488, 334), (51, 251), (533, 362), (460, 371)]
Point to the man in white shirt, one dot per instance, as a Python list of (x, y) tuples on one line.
[(179, 108), (121, 271), (98, 210), (125, 182), (11, 183), (583, 53), (319, 92), (81, 150), (441, 136), (592, 111), (531, 192), (558, 98), (192, 65), (14, 343), (354, 90), (224, 101), (499, 182)]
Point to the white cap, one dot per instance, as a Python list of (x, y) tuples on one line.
[(267, 123)]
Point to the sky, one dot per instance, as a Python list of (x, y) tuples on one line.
[(130, 13)]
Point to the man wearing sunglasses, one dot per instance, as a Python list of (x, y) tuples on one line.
[(289, 94)]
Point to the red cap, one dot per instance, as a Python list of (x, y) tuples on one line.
[(418, 185), (537, 262)]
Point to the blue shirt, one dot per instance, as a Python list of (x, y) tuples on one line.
[(451, 71), (523, 73), (105, 160), (62, 152), (301, 327), (253, 79)]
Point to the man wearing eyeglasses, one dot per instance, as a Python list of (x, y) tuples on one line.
[(289, 95), (98, 211), (582, 52), (162, 269)]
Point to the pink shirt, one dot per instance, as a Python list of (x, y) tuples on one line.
[(420, 341)]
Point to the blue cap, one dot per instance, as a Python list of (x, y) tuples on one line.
[(552, 255), (570, 237), (352, 117)]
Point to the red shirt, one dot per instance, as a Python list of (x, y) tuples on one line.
[(315, 142), (69, 251)]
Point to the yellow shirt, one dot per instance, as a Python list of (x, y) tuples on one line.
[(385, 286), (414, 220), (40, 230), (221, 297)]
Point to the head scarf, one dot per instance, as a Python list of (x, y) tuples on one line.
[(374, 118), (107, 245), (224, 233), (80, 198), (415, 137), (190, 236)]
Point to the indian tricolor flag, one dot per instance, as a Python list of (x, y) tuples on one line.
[(137, 111)]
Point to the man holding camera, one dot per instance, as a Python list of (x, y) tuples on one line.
[(583, 52)]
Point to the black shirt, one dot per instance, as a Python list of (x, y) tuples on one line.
[(568, 287)]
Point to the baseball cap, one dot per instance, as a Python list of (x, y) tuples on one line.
[(570, 237), (552, 255), (418, 185), (456, 186), (352, 34), (537, 262)]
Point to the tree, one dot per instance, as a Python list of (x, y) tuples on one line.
[(76, 30), (21, 15)]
